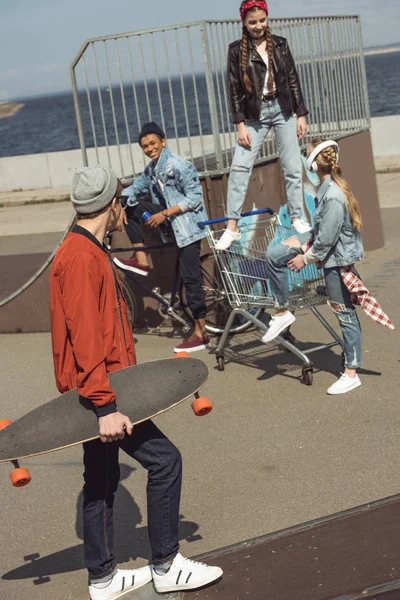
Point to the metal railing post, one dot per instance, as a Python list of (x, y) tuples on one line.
[(364, 74), (78, 114), (211, 95)]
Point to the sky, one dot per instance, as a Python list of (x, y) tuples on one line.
[(40, 38)]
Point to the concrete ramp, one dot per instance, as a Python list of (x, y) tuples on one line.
[(24, 279), (352, 555)]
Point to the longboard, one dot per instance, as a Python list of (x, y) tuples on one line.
[(143, 392)]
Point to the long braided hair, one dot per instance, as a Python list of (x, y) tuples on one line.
[(245, 50), (326, 161)]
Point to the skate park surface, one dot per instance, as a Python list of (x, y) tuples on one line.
[(273, 454)]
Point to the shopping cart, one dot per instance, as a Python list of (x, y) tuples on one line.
[(243, 272)]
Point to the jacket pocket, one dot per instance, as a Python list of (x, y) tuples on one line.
[(317, 218)]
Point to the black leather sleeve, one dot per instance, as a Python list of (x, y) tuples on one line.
[(235, 89), (294, 83)]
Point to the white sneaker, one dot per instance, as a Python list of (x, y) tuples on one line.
[(227, 238), (277, 324), (185, 574), (123, 582), (344, 384), (301, 226)]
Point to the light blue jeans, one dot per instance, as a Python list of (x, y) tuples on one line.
[(339, 297), (285, 129)]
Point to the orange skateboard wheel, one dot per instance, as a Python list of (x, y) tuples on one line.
[(182, 355), (5, 423), (20, 477), (201, 406)]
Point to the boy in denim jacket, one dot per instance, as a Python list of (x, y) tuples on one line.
[(176, 204)]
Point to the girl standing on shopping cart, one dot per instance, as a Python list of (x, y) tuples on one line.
[(264, 92), (335, 242)]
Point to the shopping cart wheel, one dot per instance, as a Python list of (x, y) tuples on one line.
[(221, 363), (307, 375)]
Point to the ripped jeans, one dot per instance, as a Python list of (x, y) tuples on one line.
[(285, 129), (339, 297)]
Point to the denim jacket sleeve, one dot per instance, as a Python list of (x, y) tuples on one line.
[(330, 225), (189, 182), (140, 186)]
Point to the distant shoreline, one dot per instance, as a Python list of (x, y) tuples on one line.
[(388, 50), (9, 109)]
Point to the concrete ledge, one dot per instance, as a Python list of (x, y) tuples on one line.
[(385, 133), (55, 169), (387, 164), (383, 164), (41, 196)]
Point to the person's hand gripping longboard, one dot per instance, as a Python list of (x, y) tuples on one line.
[(114, 426)]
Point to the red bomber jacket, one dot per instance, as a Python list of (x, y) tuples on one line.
[(91, 335)]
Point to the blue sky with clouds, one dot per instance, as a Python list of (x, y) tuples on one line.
[(39, 38)]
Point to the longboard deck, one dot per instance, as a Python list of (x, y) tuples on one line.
[(143, 392)]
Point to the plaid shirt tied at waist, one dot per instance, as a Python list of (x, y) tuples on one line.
[(359, 294), (362, 297)]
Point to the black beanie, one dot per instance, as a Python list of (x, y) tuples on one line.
[(151, 128)]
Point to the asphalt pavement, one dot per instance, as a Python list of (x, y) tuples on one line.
[(272, 454)]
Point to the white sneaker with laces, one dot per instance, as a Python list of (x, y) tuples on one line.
[(344, 384), (185, 574), (277, 324), (301, 226), (227, 238), (124, 581)]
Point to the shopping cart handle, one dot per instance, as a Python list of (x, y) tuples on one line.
[(259, 211)]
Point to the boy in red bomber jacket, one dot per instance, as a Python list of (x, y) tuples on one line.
[(91, 337)]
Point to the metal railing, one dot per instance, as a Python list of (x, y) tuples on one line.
[(176, 76)]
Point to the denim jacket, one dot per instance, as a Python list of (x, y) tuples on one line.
[(181, 186), (334, 240)]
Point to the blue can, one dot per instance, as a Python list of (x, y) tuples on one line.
[(146, 215)]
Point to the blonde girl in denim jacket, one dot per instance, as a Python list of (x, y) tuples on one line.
[(335, 242)]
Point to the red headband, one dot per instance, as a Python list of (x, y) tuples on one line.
[(250, 4)]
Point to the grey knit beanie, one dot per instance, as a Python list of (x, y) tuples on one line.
[(93, 188)]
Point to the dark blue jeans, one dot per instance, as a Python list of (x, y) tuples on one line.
[(189, 257), (134, 227), (153, 450)]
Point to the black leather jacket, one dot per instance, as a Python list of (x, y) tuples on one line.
[(246, 105)]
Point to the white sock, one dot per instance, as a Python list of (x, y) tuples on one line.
[(163, 568), (102, 585)]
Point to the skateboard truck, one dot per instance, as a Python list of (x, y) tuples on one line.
[(20, 476), (201, 405)]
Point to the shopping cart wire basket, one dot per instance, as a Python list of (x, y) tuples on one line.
[(244, 275)]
